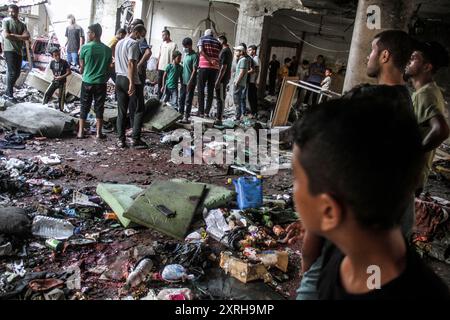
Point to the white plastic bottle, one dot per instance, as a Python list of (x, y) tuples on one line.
[(52, 228)]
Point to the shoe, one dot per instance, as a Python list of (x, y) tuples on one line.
[(185, 121), (129, 133), (138, 144), (121, 144)]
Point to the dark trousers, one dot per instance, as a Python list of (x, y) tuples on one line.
[(56, 85), (314, 95), (238, 97), (160, 79), (132, 105), (221, 94), (206, 77), (14, 63), (272, 84), (186, 97), (96, 93), (123, 103), (253, 98)]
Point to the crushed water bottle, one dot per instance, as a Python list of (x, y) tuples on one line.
[(139, 273), (52, 228)]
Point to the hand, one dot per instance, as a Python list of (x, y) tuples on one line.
[(295, 232), (235, 83), (57, 78), (162, 89), (217, 85), (131, 90), (214, 62)]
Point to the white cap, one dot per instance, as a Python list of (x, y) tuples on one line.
[(208, 32), (240, 48)]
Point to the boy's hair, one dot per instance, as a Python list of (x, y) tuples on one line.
[(253, 47), (71, 16), (187, 42), (96, 28), (329, 70), (54, 50), (166, 32), (176, 54), (366, 152), (139, 28), (305, 62), (398, 43), (121, 30), (224, 39), (287, 60), (434, 53), (13, 7), (244, 45)]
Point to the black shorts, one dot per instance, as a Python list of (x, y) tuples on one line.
[(96, 93)]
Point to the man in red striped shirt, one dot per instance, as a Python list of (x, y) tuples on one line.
[(209, 49)]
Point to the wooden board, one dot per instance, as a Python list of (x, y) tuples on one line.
[(284, 102)]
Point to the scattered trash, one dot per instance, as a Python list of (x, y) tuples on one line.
[(55, 294), (45, 284), (175, 273), (243, 271), (51, 159), (47, 227), (175, 294), (249, 192), (140, 273)]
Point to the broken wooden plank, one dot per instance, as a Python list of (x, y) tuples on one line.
[(284, 102)]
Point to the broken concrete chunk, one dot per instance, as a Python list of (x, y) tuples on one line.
[(37, 119), (168, 207), (119, 197), (160, 117)]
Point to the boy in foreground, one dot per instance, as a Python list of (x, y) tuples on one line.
[(61, 70), (358, 202)]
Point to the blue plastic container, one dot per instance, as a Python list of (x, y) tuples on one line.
[(249, 192)]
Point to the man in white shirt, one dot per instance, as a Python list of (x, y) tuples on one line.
[(165, 57)]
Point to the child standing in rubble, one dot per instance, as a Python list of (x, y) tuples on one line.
[(61, 70), (172, 77)]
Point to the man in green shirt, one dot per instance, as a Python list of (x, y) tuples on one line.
[(189, 78), (15, 34), (95, 61), (171, 78), (428, 101), (240, 81)]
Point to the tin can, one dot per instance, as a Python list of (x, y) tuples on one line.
[(54, 244)]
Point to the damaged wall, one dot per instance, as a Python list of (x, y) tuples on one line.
[(105, 13), (182, 19)]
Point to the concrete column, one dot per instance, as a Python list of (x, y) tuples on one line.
[(392, 15)]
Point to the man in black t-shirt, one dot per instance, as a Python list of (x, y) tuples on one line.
[(358, 203), (274, 65), (61, 70), (225, 61)]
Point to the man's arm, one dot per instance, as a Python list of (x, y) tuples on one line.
[(81, 65), (438, 133), (11, 36), (144, 59), (223, 69), (163, 82), (131, 71), (241, 75)]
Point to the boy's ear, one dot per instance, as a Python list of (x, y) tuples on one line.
[(331, 213)]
